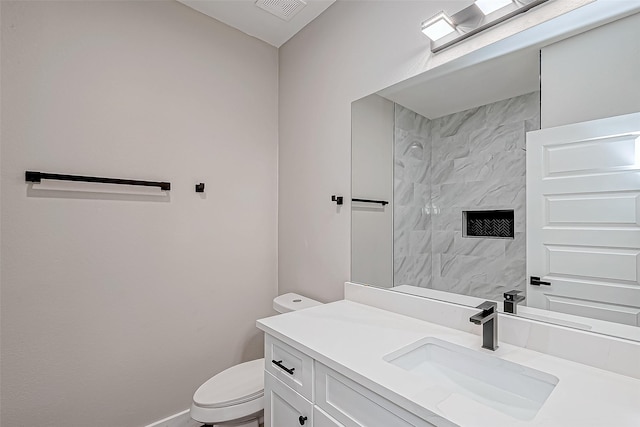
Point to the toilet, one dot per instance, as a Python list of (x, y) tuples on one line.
[(235, 396)]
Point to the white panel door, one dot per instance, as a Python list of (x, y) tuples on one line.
[(583, 218)]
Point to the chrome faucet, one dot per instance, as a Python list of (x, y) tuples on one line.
[(511, 300), (488, 318)]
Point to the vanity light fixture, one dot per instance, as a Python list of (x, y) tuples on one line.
[(445, 30), (489, 6), (438, 26)]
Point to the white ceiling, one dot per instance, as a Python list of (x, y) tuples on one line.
[(250, 19)]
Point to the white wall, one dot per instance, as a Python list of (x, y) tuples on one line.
[(115, 308), (353, 49), (372, 133), (592, 75)]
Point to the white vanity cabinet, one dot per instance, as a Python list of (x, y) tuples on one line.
[(300, 391), (322, 419), (354, 405), (283, 406), (289, 365), (288, 385)]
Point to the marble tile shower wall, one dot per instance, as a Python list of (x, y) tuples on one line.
[(476, 162), (412, 199)]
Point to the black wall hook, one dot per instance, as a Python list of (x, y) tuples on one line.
[(200, 188), (338, 199)]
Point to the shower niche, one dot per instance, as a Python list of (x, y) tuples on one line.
[(496, 224)]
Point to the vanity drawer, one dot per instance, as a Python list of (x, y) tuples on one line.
[(352, 405), (289, 365)]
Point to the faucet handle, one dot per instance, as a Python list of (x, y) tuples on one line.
[(511, 295), (488, 306), (511, 300)]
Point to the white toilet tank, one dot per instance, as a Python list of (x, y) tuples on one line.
[(291, 302)]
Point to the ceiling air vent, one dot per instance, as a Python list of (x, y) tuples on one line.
[(283, 9)]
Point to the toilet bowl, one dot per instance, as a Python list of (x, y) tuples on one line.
[(235, 396)]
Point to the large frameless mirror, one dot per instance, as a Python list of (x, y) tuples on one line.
[(439, 181)]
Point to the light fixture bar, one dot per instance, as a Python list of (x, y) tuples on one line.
[(471, 21), (489, 6), (438, 26)]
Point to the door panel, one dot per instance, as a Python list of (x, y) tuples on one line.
[(586, 308), (601, 209), (604, 153), (597, 262), (583, 218), (590, 183), (581, 236)]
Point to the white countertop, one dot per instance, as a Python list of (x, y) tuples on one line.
[(353, 338)]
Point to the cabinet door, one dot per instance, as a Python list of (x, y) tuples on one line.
[(322, 419), (284, 407), (353, 405)]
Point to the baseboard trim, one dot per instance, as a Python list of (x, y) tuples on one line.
[(181, 419)]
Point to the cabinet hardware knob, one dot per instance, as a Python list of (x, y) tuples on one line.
[(302, 419)]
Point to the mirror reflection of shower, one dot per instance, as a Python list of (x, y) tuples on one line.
[(469, 161), (472, 161)]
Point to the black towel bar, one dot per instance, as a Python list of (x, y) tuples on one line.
[(382, 202), (31, 176)]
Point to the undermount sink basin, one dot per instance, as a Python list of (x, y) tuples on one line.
[(510, 388)]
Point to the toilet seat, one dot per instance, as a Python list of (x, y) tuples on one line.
[(234, 393), (235, 397)]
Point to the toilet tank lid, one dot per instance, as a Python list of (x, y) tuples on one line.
[(291, 302), (237, 384)]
